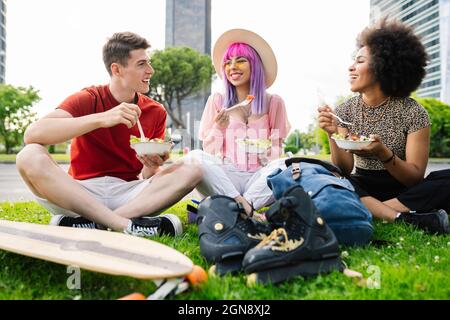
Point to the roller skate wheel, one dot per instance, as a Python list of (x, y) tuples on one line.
[(252, 279), (134, 296), (197, 276), (212, 271)]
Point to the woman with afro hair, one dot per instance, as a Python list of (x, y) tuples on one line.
[(389, 173)]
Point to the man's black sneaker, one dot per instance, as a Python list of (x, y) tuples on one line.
[(431, 222), (167, 224), (79, 222)]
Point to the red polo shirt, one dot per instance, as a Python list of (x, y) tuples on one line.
[(107, 151)]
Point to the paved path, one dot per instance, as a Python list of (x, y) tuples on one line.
[(12, 188)]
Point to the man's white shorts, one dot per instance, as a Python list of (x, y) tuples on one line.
[(112, 192)]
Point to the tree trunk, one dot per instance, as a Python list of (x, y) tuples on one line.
[(8, 146), (176, 121), (180, 115)]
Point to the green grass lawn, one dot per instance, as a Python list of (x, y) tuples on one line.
[(411, 265)]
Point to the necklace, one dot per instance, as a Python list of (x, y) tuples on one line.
[(376, 106), (370, 118)]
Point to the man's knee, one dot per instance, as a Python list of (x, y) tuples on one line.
[(195, 153), (192, 171), (200, 156), (196, 171), (32, 159)]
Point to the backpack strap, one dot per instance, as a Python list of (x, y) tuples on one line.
[(327, 165)]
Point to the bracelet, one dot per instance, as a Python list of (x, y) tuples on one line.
[(390, 158)]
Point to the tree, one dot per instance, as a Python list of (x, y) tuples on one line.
[(179, 73), (15, 114), (299, 140), (439, 113), (323, 140)]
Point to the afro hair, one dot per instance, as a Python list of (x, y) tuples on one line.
[(398, 57)]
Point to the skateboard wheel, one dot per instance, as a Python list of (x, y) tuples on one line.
[(212, 271), (197, 276), (252, 279), (134, 296)]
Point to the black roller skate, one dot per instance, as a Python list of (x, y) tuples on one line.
[(302, 245), (226, 233)]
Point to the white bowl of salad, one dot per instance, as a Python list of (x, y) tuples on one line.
[(153, 146), (352, 141), (255, 146)]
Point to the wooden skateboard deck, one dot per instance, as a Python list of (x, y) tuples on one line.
[(95, 250)]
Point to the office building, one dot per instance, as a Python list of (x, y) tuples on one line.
[(2, 40), (431, 21), (188, 23)]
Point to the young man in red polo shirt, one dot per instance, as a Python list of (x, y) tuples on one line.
[(108, 185)]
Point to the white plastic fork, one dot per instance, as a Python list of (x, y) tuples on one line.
[(141, 131), (246, 102), (340, 120), (239, 105)]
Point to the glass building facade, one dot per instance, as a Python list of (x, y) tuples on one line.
[(2, 40), (431, 20)]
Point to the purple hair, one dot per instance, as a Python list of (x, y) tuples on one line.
[(257, 79)]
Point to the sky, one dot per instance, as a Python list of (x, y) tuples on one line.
[(55, 46)]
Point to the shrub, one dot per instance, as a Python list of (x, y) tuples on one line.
[(291, 148), (439, 113)]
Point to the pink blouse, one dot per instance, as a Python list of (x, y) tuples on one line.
[(273, 125)]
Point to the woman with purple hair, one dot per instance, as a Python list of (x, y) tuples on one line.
[(241, 139)]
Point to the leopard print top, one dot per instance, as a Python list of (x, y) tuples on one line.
[(392, 121)]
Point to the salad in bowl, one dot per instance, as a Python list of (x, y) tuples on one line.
[(351, 141), (150, 146), (255, 146)]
